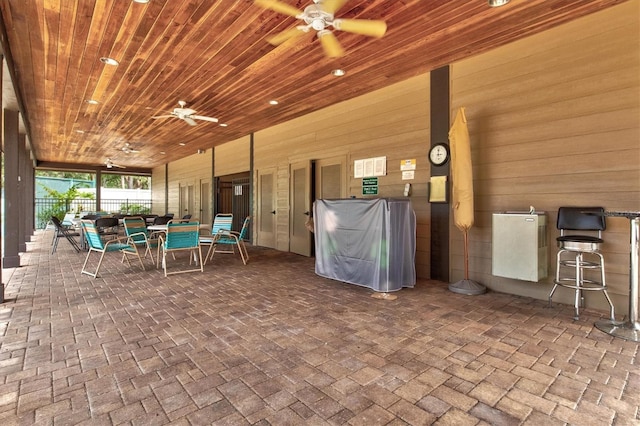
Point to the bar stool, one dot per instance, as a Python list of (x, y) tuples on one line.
[(580, 252)]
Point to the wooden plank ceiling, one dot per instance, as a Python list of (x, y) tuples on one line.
[(213, 55)]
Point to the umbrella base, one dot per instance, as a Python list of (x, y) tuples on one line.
[(467, 287)]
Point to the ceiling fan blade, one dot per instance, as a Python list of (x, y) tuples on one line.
[(330, 44), (280, 38), (163, 116), (201, 117), (332, 6), (372, 28), (189, 121), (278, 6)]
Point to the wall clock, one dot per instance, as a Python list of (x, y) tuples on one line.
[(439, 154)]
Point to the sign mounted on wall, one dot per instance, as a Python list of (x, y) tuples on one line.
[(370, 167), (406, 165), (370, 186)]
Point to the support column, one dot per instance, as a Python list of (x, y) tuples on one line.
[(440, 211), (12, 212), (30, 194), (98, 191), (22, 193)]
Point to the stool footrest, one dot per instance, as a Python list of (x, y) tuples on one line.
[(584, 284), (585, 264)]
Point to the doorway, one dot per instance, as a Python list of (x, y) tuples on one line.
[(300, 181), (266, 221)]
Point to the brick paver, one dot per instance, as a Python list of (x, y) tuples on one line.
[(271, 343)]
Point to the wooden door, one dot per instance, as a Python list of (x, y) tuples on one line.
[(187, 199), (267, 208), (205, 201), (331, 178), (300, 198)]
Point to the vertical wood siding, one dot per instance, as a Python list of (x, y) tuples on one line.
[(554, 121)]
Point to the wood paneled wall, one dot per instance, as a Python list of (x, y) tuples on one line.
[(232, 157), (158, 182), (393, 122), (188, 171), (554, 121)]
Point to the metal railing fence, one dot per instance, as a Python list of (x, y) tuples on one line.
[(47, 207)]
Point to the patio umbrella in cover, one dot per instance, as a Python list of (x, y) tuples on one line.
[(462, 196)]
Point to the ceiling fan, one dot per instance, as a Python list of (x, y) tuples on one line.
[(186, 114), (111, 165), (128, 150), (319, 16)]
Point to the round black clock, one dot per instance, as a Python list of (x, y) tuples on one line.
[(439, 154)]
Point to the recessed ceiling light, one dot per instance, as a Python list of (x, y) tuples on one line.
[(338, 72), (497, 3), (162, 152), (273, 102), (92, 101), (80, 131), (223, 124), (182, 144), (109, 61), (141, 1)]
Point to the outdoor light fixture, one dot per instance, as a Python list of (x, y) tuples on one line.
[(497, 3)]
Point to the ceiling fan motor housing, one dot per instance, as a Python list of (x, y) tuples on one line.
[(317, 18)]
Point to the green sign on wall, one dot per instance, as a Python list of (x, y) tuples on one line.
[(369, 190), (370, 181)]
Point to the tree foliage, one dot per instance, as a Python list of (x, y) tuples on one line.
[(109, 180)]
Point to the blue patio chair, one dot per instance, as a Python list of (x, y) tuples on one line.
[(136, 229), (233, 239), (181, 236), (95, 243), (222, 222)]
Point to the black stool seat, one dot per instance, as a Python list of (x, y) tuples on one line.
[(578, 254), (585, 243), (579, 239)]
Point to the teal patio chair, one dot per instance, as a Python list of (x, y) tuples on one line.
[(136, 228), (95, 243), (181, 236), (233, 239), (221, 223)]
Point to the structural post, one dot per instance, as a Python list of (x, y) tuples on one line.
[(22, 193), (12, 211), (440, 211), (30, 195)]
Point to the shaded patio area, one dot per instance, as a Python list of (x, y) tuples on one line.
[(271, 343)]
